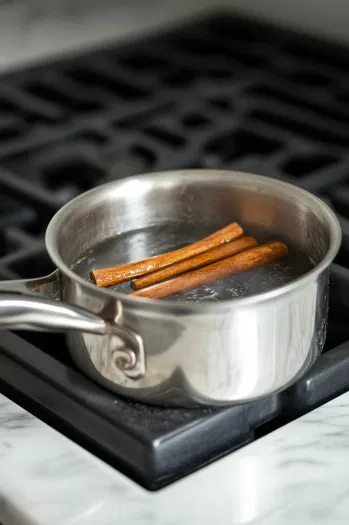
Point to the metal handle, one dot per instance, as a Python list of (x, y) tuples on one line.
[(41, 314), (21, 308)]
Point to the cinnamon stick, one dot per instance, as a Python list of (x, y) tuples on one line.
[(125, 272), (216, 254), (258, 256)]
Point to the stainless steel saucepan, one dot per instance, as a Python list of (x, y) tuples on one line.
[(236, 341)]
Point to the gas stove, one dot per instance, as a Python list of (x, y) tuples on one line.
[(223, 93)]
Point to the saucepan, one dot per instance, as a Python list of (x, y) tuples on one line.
[(233, 343)]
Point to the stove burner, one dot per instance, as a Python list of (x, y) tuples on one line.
[(223, 93)]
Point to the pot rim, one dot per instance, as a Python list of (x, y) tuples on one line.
[(168, 306)]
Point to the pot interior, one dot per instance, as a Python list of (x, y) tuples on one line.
[(144, 216)]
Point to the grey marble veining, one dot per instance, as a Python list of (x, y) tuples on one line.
[(298, 474)]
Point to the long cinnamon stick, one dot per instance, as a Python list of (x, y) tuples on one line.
[(258, 256), (216, 254), (125, 272)]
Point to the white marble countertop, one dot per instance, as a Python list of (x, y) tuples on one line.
[(297, 474)]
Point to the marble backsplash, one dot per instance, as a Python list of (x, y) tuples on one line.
[(34, 29), (31, 30)]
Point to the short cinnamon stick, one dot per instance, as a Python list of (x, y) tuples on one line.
[(258, 256), (125, 272), (216, 254)]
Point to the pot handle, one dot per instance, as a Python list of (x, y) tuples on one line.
[(21, 308), (42, 314)]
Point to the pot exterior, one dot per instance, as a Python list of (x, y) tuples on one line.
[(230, 356)]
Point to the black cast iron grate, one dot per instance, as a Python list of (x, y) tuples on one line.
[(223, 93)]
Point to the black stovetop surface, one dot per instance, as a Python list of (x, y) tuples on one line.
[(222, 93)]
